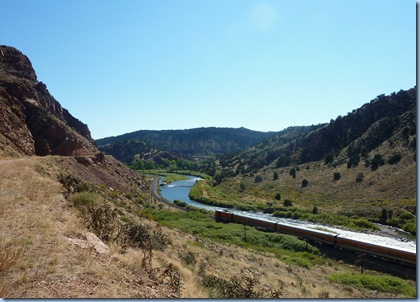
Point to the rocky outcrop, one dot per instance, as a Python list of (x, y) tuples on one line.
[(32, 121), (90, 241)]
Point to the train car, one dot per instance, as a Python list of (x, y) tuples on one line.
[(377, 250), (320, 236), (223, 216), (264, 224), (307, 234)]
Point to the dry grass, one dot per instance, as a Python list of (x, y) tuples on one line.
[(37, 262)]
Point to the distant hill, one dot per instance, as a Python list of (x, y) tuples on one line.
[(191, 143)]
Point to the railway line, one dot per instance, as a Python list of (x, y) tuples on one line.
[(402, 260)]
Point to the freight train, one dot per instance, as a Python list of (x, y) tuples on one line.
[(319, 236)]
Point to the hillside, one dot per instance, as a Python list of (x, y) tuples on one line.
[(385, 119), (357, 166), (191, 143)]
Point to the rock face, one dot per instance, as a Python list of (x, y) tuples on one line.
[(32, 121)]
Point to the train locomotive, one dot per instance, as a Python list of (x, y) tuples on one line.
[(320, 236)]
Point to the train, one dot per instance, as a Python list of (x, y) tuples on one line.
[(405, 257)]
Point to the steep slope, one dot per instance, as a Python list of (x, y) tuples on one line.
[(32, 122), (387, 118), (189, 143)]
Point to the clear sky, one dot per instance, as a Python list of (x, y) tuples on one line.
[(127, 65)]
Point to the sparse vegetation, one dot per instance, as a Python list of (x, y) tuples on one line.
[(237, 287)]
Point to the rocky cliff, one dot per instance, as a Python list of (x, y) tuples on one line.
[(32, 121)]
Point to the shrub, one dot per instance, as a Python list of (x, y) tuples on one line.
[(288, 203), (315, 210), (292, 172), (384, 216), (258, 178), (180, 203), (296, 215), (406, 216), (363, 223), (353, 161), (386, 284), (142, 236), (100, 217), (329, 158), (394, 159), (410, 227), (85, 201), (359, 177), (73, 184), (275, 176), (376, 162), (172, 277), (277, 196), (304, 183), (236, 287), (337, 175), (188, 258)]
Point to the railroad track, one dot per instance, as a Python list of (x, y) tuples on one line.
[(401, 260), (155, 195)]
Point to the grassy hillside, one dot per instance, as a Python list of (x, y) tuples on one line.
[(44, 253), (356, 166)]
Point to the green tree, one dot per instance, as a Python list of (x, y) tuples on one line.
[(305, 183), (337, 175), (277, 197), (394, 159), (376, 162), (293, 172), (329, 158), (258, 178), (275, 176), (288, 203), (384, 216)]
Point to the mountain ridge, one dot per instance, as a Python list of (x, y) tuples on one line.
[(351, 136), (188, 143)]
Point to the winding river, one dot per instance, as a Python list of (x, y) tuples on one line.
[(179, 190)]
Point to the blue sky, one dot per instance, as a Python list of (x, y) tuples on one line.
[(128, 65)]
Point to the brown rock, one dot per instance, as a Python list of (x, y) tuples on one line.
[(32, 121)]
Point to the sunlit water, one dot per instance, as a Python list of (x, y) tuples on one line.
[(179, 190)]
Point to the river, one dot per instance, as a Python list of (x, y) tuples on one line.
[(179, 190)]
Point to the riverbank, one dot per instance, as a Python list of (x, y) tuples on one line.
[(385, 235)]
